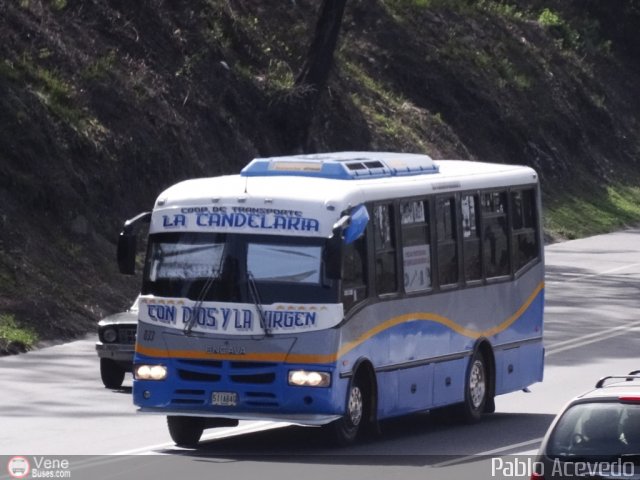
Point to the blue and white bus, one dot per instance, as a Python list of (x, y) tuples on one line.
[(338, 289)]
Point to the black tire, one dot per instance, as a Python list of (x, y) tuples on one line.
[(185, 431), (345, 430), (111, 373), (476, 389)]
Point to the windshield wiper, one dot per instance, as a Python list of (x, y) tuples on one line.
[(201, 297), (255, 297)]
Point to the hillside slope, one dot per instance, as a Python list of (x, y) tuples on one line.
[(105, 103)]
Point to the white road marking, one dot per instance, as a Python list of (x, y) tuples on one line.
[(535, 441), (225, 432), (591, 275), (592, 338)]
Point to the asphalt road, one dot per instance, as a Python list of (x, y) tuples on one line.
[(53, 404)]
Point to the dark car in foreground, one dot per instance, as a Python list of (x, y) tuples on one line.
[(115, 346), (596, 435)]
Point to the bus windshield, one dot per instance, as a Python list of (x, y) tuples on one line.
[(214, 267)]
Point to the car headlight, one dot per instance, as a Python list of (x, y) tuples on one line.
[(110, 335), (150, 372), (303, 378)]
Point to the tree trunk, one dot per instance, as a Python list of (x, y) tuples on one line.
[(296, 112)]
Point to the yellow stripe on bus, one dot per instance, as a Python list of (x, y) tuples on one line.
[(347, 347)]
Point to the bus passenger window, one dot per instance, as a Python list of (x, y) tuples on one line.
[(525, 232), (469, 205), (416, 248), (385, 257), (494, 236), (447, 240)]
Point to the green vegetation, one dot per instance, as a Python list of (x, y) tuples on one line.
[(574, 215), (392, 116), (101, 67), (279, 77), (500, 9), (7, 70), (461, 6), (58, 5), (52, 90), (549, 18), (567, 37), (11, 332), (55, 92)]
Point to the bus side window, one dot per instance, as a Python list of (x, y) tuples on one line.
[(495, 235), (447, 240), (416, 248), (469, 205), (385, 249), (525, 232)]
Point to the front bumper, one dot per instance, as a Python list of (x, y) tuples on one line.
[(260, 390), (117, 352), (300, 418)]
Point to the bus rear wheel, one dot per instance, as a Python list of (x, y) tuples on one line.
[(185, 431), (476, 390)]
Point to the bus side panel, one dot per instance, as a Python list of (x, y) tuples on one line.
[(387, 394), (405, 391), (415, 388), (421, 388), (508, 370), (448, 382), (517, 368)]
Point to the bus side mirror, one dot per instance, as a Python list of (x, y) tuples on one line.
[(358, 221), (345, 231), (127, 243), (333, 255)]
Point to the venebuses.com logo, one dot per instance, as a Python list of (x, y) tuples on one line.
[(18, 467), (38, 467)]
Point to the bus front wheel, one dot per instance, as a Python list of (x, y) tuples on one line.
[(185, 431), (345, 430)]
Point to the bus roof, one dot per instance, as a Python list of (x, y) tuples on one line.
[(270, 178), (342, 165), (327, 184)]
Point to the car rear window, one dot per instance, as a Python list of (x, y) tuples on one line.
[(596, 429)]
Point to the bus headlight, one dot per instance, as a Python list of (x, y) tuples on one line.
[(303, 378), (150, 372)]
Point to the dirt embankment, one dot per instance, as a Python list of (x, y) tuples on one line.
[(105, 103)]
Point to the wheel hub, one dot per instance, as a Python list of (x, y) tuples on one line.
[(355, 406), (477, 384)]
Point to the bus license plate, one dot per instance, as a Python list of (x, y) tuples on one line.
[(224, 399)]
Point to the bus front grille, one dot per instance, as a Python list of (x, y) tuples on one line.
[(254, 382), (198, 376), (259, 379), (225, 372)]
